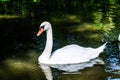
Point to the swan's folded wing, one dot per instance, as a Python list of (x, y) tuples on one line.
[(70, 54)]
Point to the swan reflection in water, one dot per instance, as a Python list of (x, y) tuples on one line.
[(70, 58), (69, 68)]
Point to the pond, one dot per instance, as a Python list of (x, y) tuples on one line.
[(21, 49)]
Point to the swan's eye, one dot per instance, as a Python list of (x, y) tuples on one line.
[(42, 26)]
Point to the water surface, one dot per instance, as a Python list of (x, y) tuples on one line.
[(19, 59)]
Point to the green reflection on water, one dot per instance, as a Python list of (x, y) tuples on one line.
[(21, 68)]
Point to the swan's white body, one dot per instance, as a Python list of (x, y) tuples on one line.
[(71, 54)]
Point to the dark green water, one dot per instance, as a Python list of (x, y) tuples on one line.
[(20, 50), (82, 22)]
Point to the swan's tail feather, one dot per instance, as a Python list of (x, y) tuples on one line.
[(101, 48), (98, 51)]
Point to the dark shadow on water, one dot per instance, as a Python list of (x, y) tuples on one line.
[(16, 35)]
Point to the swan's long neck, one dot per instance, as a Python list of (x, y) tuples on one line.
[(49, 41), (48, 48)]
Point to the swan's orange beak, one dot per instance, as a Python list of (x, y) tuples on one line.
[(40, 31)]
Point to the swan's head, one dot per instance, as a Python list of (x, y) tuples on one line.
[(44, 27)]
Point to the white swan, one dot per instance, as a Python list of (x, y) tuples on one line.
[(71, 54)]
